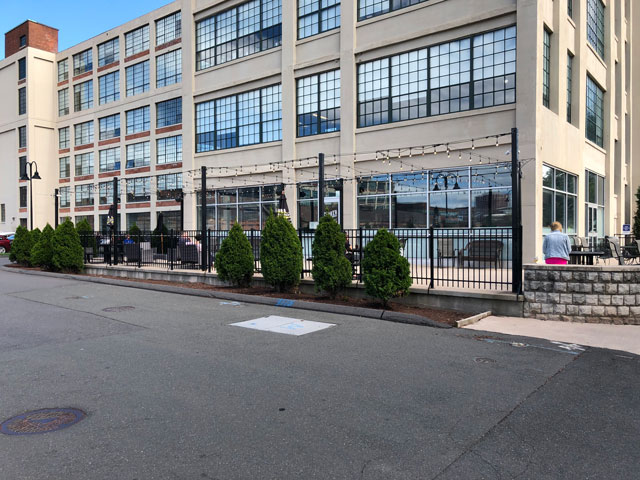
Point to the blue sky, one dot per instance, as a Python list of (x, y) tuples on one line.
[(77, 20)]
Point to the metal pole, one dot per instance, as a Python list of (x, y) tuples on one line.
[(516, 215), (320, 185), (203, 220), (114, 243), (31, 193), (181, 211), (56, 205)]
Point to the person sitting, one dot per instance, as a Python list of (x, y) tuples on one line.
[(128, 240), (556, 246)]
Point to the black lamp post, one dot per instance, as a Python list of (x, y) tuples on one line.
[(31, 176)]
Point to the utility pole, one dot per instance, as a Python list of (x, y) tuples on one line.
[(320, 185), (516, 214), (203, 219), (55, 206)]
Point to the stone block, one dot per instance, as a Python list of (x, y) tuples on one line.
[(584, 310), (598, 288), (529, 275), (566, 276), (534, 307), (623, 289), (533, 286), (611, 288), (630, 300), (574, 287), (542, 275), (546, 286), (541, 297), (579, 299), (628, 277), (560, 309), (616, 277), (553, 275), (592, 277), (586, 287), (617, 300), (635, 311), (605, 277), (553, 298), (611, 311), (623, 311), (560, 287), (604, 299), (566, 298), (579, 276), (634, 288), (530, 296), (572, 310), (591, 299), (597, 311), (546, 308)]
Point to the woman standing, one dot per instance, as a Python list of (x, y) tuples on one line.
[(556, 246)]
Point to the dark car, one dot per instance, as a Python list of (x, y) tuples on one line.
[(5, 244)]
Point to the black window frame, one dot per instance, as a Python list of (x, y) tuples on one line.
[(22, 137), (569, 86), (22, 101), (22, 68), (138, 78), (171, 112), (83, 96), (109, 88), (393, 5), (134, 115), (171, 34), (83, 62), (137, 41), (64, 167), (546, 67), (594, 131), (164, 75), (83, 164), (109, 127), (596, 28), (23, 197), (321, 118), (318, 14), (109, 52), (63, 70)]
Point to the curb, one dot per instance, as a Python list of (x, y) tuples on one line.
[(473, 319), (406, 318)]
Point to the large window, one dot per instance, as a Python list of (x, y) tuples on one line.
[(169, 68), (84, 164), (546, 67), (138, 155), (595, 200), (316, 16), (82, 62), (595, 25), (22, 101), (83, 133), (136, 41), (478, 196), (63, 70), (138, 120), (244, 119), (138, 78), (22, 167), (109, 87), (246, 29), (398, 88), (142, 220), (169, 186), (105, 193), (65, 167), (168, 28), (110, 160), (64, 138), (23, 197), (22, 68), (108, 52), (138, 189), (65, 197), (559, 199), (308, 205), (63, 102), (169, 112), (595, 112), (83, 96), (22, 137), (169, 150), (373, 8), (84, 195), (110, 127), (319, 104), (569, 85), (249, 206)]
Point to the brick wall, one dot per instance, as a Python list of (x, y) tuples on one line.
[(587, 294), (38, 36)]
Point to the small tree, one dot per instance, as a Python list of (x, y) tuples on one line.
[(134, 231), (636, 217), (68, 255), (35, 236), (332, 270), (87, 238), (21, 247), (42, 251), (234, 261), (385, 271), (280, 253), (160, 238)]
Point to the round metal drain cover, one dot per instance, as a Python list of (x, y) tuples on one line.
[(484, 360), (123, 308), (41, 421)]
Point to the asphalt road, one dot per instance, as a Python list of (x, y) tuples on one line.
[(172, 391)]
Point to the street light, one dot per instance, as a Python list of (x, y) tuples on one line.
[(30, 177)]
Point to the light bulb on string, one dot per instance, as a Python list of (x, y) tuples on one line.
[(497, 141), (473, 144), (448, 152)]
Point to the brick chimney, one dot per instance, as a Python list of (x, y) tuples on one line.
[(31, 34)]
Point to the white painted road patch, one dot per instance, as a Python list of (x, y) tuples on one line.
[(288, 326)]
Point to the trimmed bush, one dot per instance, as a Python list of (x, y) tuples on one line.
[(280, 253), (385, 271), (68, 255), (35, 236), (332, 270), (134, 231), (160, 239), (636, 217), (21, 247), (42, 251), (234, 261), (87, 238)]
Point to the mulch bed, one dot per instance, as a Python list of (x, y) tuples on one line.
[(448, 317)]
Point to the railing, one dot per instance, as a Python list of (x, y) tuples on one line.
[(479, 258)]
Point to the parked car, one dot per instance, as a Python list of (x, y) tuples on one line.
[(5, 244)]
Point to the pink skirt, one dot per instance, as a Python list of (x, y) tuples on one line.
[(556, 261)]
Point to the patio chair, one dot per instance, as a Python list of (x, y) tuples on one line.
[(621, 254), (445, 250), (484, 251), (188, 254)]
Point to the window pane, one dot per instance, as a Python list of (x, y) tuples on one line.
[(373, 212), (547, 210), (409, 211), (449, 209), (491, 208)]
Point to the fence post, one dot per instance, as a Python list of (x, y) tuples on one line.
[(209, 257), (432, 257), (360, 252), (171, 242), (303, 259), (139, 250), (516, 215)]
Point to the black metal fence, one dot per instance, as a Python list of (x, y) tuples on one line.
[(479, 258)]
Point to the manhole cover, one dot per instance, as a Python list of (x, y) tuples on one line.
[(123, 308), (484, 360), (42, 421)]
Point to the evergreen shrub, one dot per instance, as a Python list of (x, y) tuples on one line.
[(234, 261), (68, 255), (42, 251), (87, 237), (280, 253), (332, 270), (21, 247)]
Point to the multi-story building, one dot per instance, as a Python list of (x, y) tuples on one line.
[(411, 101)]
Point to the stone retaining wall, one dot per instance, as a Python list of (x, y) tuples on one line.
[(577, 293)]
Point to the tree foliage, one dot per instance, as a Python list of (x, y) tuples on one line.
[(87, 237), (42, 251), (280, 253), (234, 261), (385, 271), (636, 217), (332, 270), (134, 230), (21, 247), (68, 254)]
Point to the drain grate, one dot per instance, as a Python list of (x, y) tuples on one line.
[(123, 308), (42, 421)]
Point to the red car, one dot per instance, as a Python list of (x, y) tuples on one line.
[(5, 244)]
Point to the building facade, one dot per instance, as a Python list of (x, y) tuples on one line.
[(411, 102)]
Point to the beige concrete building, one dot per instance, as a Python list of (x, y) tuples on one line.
[(411, 102)]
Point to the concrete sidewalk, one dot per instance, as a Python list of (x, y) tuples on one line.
[(614, 337)]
